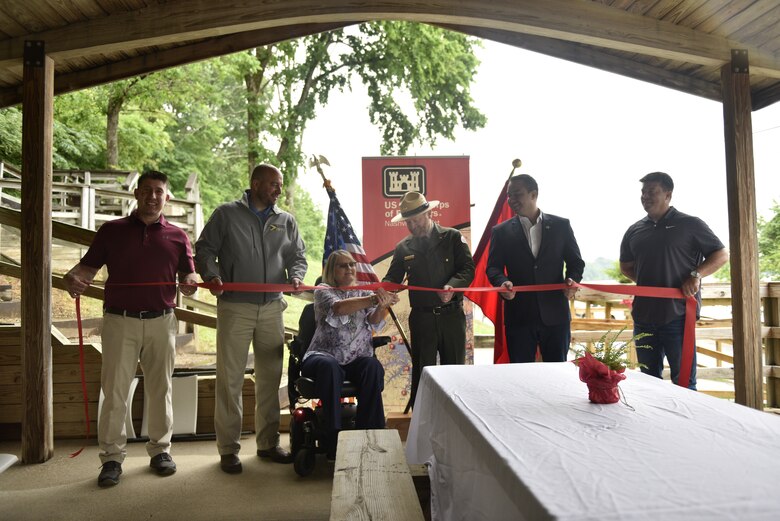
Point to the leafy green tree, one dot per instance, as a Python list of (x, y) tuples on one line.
[(311, 226), (768, 249), (75, 144), (11, 135), (615, 274), (431, 68), (220, 117), (769, 245), (724, 273)]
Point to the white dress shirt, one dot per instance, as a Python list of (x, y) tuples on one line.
[(533, 232)]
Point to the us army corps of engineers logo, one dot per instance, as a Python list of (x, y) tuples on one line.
[(397, 180)]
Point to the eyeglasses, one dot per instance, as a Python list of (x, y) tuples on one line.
[(345, 265)]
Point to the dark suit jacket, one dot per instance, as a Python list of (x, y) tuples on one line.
[(509, 250)]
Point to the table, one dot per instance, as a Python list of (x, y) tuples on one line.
[(522, 441)]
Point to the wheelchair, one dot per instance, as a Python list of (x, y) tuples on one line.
[(307, 425)]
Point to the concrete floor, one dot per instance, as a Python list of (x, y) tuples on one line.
[(65, 488)]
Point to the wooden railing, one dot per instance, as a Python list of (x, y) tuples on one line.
[(88, 198), (190, 309)]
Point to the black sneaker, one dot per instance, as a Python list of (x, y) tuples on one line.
[(230, 463), (163, 464), (109, 474)]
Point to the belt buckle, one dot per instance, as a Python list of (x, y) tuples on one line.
[(142, 313)]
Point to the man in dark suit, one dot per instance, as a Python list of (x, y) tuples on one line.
[(532, 248)]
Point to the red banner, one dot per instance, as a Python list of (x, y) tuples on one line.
[(387, 179)]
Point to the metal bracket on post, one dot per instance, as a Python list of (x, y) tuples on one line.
[(34, 53), (739, 61)]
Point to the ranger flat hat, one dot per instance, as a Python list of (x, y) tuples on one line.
[(413, 203)]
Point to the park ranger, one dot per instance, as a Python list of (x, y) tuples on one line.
[(432, 256)]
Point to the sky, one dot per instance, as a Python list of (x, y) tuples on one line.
[(585, 135)]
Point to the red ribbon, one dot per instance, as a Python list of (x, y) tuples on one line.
[(256, 287), (83, 375), (640, 291)]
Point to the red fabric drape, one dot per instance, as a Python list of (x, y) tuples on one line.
[(491, 303)]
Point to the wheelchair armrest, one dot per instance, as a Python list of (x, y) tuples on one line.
[(379, 341)]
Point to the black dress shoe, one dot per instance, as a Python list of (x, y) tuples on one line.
[(277, 454), (163, 464), (230, 463), (109, 474)]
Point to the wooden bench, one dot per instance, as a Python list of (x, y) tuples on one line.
[(372, 479)]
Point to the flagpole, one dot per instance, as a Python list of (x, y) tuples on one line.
[(317, 161), (515, 165)]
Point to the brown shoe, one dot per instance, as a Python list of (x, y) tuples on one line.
[(230, 463), (277, 454)]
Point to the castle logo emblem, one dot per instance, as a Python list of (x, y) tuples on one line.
[(397, 180)]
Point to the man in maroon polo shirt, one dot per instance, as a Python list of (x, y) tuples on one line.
[(138, 321)]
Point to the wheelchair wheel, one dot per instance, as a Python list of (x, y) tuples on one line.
[(304, 462)]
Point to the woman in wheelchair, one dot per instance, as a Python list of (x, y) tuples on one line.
[(341, 347)]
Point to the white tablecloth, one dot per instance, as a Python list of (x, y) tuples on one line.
[(522, 441)]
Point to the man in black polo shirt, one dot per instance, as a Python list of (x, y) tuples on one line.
[(432, 256), (138, 321), (667, 249)]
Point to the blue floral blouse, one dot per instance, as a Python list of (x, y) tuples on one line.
[(344, 337)]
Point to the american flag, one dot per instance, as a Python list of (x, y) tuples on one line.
[(339, 235)]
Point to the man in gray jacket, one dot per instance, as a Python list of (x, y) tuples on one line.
[(250, 240)]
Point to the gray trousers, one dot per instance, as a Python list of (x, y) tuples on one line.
[(238, 325)]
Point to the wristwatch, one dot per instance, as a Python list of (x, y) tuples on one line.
[(695, 274)]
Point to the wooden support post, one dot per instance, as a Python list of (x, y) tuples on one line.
[(719, 349), (37, 118), (741, 187)]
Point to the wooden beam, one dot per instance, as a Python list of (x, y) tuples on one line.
[(741, 195), (596, 58), (37, 121), (218, 46), (589, 23)]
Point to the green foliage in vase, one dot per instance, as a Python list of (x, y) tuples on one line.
[(613, 352)]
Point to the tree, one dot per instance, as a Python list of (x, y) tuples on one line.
[(75, 143), (11, 135), (769, 245), (418, 78), (220, 117), (768, 249), (615, 274)]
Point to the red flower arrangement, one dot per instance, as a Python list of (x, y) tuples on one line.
[(603, 368)]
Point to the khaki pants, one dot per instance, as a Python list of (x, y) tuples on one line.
[(238, 324), (126, 341)]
